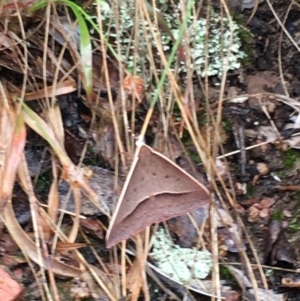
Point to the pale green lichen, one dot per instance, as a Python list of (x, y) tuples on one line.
[(220, 38), (181, 264), (217, 48)]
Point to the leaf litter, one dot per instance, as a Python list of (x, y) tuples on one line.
[(113, 107)]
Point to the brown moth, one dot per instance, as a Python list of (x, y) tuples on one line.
[(156, 189)]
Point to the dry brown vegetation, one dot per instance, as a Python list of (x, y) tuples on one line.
[(102, 146)]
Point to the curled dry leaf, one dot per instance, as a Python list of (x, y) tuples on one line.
[(253, 214), (134, 85), (262, 168), (260, 209)]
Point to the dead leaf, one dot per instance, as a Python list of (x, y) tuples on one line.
[(67, 246), (134, 85), (257, 85), (287, 213), (264, 213), (253, 214), (267, 202), (61, 88), (290, 282), (11, 261), (93, 226), (102, 183), (133, 275), (79, 290), (184, 228), (249, 202), (10, 290), (233, 296), (13, 157), (278, 250), (7, 244)]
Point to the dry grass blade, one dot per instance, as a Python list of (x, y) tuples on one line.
[(61, 88), (24, 241), (76, 219), (90, 274), (139, 281), (13, 156), (68, 246), (28, 246), (54, 119), (71, 173), (53, 205), (254, 10), (179, 65), (44, 130)]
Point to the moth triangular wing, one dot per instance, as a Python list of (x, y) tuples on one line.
[(151, 175), (154, 210)]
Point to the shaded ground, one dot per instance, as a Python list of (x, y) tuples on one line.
[(272, 69)]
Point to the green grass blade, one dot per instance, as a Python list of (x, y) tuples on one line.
[(85, 42)]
